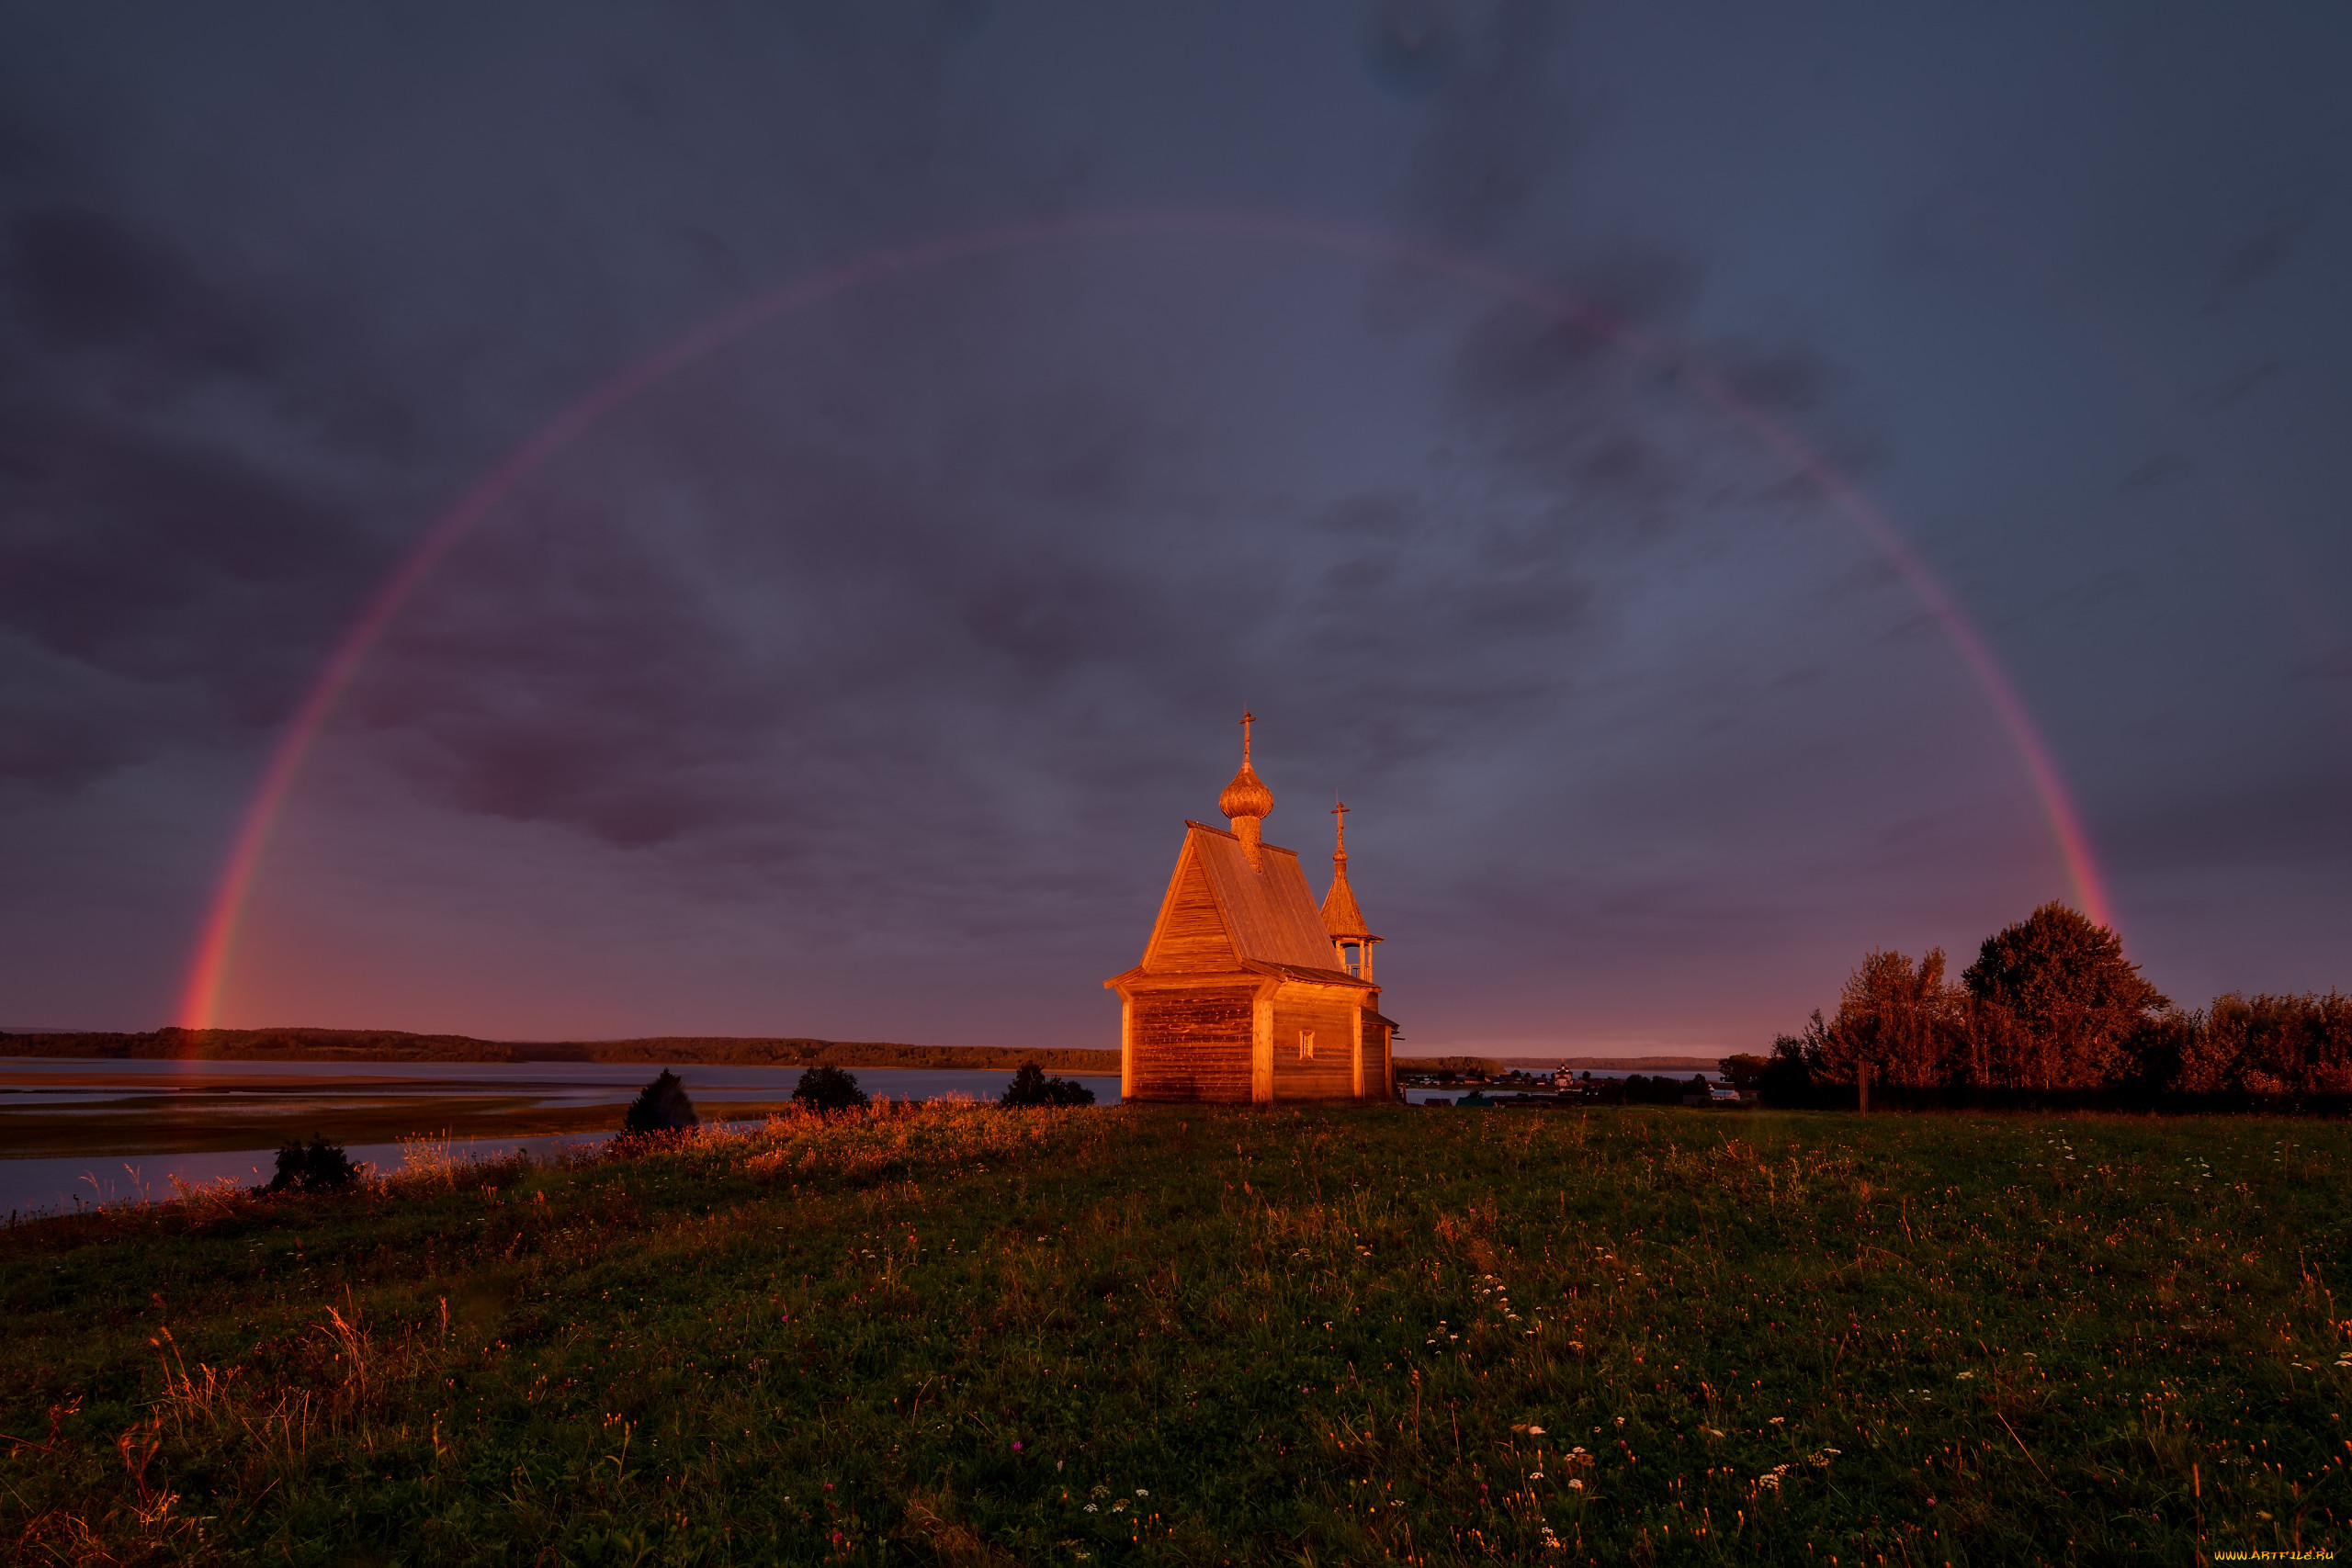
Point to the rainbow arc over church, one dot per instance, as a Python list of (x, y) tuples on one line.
[(215, 948)]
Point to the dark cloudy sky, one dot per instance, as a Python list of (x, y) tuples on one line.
[(853, 676)]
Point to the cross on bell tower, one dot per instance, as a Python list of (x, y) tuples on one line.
[(1351, 939)]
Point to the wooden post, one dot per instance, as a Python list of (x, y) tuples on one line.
[(1126, 1046), (1355, 1012), (1261, 1047)]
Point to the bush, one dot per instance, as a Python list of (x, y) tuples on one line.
[(661, 1106), (320, 1167), (830, 1089), (1030, 1086)]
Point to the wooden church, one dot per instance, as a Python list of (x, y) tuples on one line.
[(1247, 995)]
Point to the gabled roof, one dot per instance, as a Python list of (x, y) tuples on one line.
[(1261, 918), (1268, 910)]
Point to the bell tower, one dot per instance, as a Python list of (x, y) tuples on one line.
[(1351, 939)]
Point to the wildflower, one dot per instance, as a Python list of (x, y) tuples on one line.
[(1142, 1492), (1711, 1431), (1090, 1507), (1016, 1446), (1777, 1419), (1535, 1475), (1535, 1431), (1120, 1507), (1575, 1485), (1968, 1374)]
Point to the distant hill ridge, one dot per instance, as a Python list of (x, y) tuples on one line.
[(392, 1045)]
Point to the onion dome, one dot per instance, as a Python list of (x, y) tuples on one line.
[(1247, 795), (1247, 800)]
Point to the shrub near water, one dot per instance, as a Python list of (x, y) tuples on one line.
[(1030, 1087), (662, 1106), (944, 1332)]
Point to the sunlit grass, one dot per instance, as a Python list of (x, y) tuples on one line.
[(955, 1332)]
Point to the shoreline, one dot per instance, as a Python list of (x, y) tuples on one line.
[(263, 1046)]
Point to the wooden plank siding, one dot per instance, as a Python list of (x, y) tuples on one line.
[(1191, 936), (1333, 1014), (1192, 1044)]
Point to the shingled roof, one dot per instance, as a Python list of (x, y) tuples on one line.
[(1266, 911)]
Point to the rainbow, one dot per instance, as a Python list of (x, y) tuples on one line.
[(216, 940)]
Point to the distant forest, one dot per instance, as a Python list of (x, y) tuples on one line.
[(2051, 1005), (391, 1045)]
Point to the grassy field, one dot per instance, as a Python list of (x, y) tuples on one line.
[(966, 1335)]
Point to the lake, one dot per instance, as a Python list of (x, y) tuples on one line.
[(76, 1131)]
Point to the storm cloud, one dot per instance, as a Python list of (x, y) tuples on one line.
[(853, 675)]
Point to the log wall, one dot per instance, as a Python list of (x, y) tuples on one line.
[(1191, 1046), (1331, 1014)]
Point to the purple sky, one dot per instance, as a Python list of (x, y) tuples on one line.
[(854, 678)]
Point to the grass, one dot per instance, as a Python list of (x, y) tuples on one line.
[(964, 1335)]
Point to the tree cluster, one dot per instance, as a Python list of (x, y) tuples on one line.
[(1030, 1086), (2051, 1003), (1640, 1088)]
